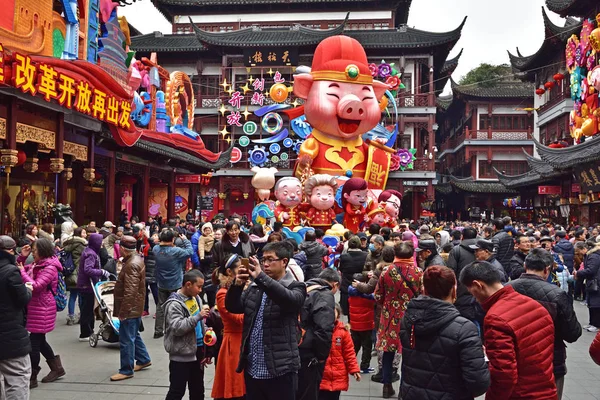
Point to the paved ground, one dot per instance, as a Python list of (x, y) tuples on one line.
[(88, 370)]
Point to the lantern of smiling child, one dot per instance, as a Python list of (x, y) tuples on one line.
[(320, 190)]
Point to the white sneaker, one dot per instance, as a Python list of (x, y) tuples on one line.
[(84, 339), (592, 329), (585, 327)]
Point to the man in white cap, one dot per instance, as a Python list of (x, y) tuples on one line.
[(15, 365), (107, 229)]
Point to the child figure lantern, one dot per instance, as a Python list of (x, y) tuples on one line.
[(288, 191), (320, 190)]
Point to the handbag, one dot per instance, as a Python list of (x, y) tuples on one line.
[(591, 285)]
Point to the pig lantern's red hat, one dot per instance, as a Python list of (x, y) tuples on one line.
[(341, 59)]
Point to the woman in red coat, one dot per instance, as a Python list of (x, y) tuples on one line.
[(340, 363), (595, 349), (228, 384)]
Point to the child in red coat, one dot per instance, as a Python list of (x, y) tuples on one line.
[(340, 363), (362, 323)]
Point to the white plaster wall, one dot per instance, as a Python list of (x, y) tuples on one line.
[(185, 68), (214, 69), (409, 129)]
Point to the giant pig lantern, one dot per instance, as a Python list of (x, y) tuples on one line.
[(320, 190), (288, 191), (342, 103)]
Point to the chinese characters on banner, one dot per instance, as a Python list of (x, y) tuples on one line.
[(44, 80), (270, 56), (589, 178), (549, 190)]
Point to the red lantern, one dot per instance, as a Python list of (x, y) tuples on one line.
[(21, 157), (549, 85), (540, 91), (558, 77), (236, 194)]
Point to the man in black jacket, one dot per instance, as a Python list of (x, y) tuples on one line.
[(565, 248), (15, 365), (518, 259), (459, 257), (504, 245), (269, 354), (428, 255), (315, 252), (533, 283), (317, 319)]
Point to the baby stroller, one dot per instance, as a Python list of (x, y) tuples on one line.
[(109, 327)]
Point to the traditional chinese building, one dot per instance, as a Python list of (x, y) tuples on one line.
[(482, 129), (66, 120), (562, 173), (256, 42)]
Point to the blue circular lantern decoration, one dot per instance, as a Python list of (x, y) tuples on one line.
[(287, 142), (271, 129), (274, 148), (258, 156)]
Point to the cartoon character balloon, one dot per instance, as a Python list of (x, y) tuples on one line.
[(321, 189), (288, 191), (263, 181), (342, 103), (354, 197), (391, 200), (377, 216)]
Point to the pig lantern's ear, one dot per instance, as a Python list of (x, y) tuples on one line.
[(302, 85), (379, 88)]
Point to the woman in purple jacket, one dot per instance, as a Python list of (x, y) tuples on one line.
[(42, 275), (89, 268)]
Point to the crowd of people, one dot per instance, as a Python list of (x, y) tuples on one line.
[(451, 310)]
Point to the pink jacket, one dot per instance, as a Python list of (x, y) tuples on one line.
[(41, 310)]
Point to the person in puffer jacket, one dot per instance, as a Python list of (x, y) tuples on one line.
[(595, 349), (565, 248), (42, 275), (340, 363), (315, 252), (362, 322), (442, 355), (504, 244)]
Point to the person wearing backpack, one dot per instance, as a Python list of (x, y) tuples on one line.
[(317, 319), (43, 275), (72, 249)]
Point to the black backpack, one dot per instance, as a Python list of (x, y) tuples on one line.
[(66, 260)]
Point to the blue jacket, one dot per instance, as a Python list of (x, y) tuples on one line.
[(194, 240), (170, 264), (564, 247), (352, 291)]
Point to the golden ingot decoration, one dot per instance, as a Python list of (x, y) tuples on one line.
[(57, 165), (68, 173), (222, 196), (8, 158), (246, 196), (31, 164), (89, 174)]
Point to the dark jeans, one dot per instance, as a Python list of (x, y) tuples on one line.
[(132, 346), (186, 373), (579, 291), (39, 344), (86, 318), (154, 289), (325, 395), (163, 296), (344, 303), (594, 317), (387, 366), (363, 339), (280, 388), (309, 380)]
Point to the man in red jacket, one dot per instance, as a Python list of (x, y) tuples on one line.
[(518, 337)]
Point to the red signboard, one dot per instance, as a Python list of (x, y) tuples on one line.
[(188, 178), (549, 190), (575, 188)]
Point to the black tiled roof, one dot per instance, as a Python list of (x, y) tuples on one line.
[(255, 36), (567, 157), (168, 43), (500, 89), (171, 8), (539, 166), (451, 64), (398, 38), (156, 148), (470, 185), (576, 8), (554, 39), (444, 102)]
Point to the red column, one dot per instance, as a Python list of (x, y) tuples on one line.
[(110, 191), (431, 96), (144, 193), (171, 198)]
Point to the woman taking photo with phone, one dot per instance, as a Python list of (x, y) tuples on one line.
[(228, 384)]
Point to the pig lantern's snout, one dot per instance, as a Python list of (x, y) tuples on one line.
[(350, 107)]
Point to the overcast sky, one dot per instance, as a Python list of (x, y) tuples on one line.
[(492, 27)]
